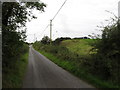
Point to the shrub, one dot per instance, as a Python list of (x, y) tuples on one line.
[(106, 61)]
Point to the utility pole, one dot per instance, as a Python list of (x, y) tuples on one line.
[(34, 37), (50, 31), (119, 9), (119, 12), (53, 19)]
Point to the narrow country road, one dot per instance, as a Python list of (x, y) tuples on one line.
[(42, 73)]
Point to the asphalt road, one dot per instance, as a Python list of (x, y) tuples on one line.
[(42, 73)]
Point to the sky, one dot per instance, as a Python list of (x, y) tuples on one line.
[(77, 18)]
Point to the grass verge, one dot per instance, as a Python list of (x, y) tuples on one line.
[(13, 76), (79, 72)]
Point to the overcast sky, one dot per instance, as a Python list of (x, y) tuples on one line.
[(77, 18)]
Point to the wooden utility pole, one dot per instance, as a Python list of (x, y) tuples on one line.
[(34, 37), (119, 9), (50, 31)]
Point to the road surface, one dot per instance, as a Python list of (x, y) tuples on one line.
[(42, 73)]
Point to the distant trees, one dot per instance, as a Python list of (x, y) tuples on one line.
[(81, 38), (58, 40), (14, 16), (45, 40)]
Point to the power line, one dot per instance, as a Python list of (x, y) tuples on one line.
[(44, 30), (59, 10), (52, 20)]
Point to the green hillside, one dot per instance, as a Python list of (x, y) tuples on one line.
[(79, 46)]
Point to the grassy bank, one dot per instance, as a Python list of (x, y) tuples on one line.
[(78, 71), (13, 75)]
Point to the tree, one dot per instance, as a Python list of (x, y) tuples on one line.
[(107, 56), (14, 16), (45, 40)]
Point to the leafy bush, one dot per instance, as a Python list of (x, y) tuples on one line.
[(106, 61)]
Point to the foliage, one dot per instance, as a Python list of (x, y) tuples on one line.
[(14, 17), (81, 38), (106, 60), (13, 76), (45, 40)]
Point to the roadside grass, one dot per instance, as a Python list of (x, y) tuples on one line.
[(76, 58), (13, 76), (78, 71)]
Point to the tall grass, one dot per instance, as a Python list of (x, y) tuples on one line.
[(12, 76), (78, 71)]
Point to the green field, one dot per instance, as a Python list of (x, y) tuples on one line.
[(79, 46)]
